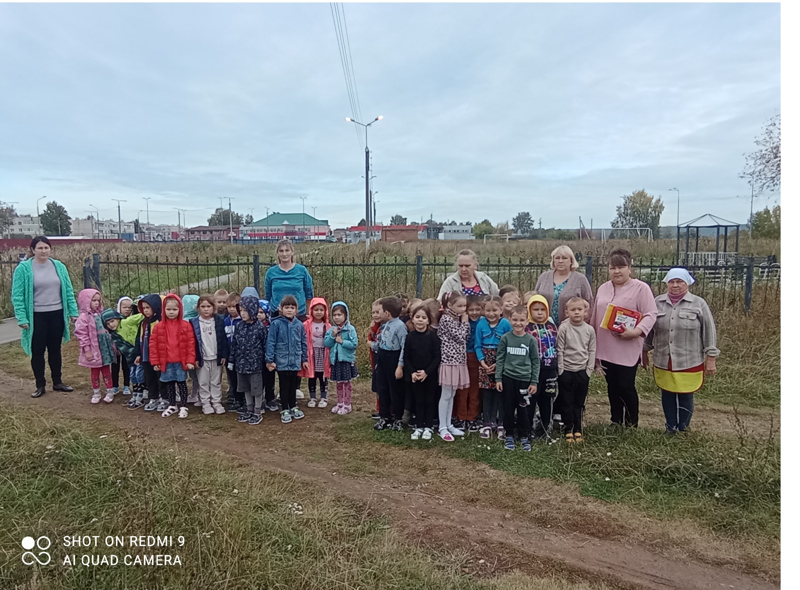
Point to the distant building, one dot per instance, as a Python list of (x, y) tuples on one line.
[(340, 234), (456, 232), (297, 227), (100, 228), (25, 225), (358, 233), (401, 233), (160, 233), (212, 233)]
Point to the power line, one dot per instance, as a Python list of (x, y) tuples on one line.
[(343, 43)]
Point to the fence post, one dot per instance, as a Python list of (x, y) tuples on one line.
[(748, 286), (419, 276), (96, 271), (256, 273), (589, 269), (87, 273)]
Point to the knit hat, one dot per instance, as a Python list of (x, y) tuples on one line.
[(110, 314), (190, 306)]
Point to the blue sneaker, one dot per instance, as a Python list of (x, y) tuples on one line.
[(286, 416), (297, 413), (126, 390), (526, 444), (510, 443)]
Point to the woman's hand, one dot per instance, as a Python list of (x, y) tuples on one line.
[(598, 370), (24, 326), (629, 334), (645, 360), (711, 365), (492, 367), (398, 372)]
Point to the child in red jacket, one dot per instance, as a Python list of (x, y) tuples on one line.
[(172, 351), (319, 364)]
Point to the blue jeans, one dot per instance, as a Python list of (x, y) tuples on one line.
[(678, 409)]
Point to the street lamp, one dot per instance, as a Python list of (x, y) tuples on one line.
[(366, 175), (97, 219), (37, 205), (678, 226), (304, 217)]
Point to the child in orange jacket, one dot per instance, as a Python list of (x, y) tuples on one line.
[(319, 365), (172, 351)]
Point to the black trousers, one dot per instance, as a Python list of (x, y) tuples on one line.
[(288, 383), (48, 330), (573, 387), (622, 394), (323, 385), (513, 413), (233, 387), (544, 398), (126, 372), (183, 391), (268, 379), (425, 400), (391, 392), (152, 379)]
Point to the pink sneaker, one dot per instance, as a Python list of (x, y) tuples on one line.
[(336, 409), (446, 436), (96, 397), (345, 409)]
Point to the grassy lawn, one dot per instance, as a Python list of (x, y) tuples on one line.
[(243, 528)]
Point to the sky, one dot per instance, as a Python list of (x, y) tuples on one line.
[(489, 109)]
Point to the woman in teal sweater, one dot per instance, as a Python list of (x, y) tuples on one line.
[(288, 278), (43, 300)]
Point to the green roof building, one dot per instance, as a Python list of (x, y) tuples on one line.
[(298, 227)]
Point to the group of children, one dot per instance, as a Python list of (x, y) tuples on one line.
[(480, 364), (470, 363), (160, 341)]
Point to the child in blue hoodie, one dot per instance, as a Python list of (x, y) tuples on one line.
[(287, 353), (488, 332), (150, 308), (342, 340)]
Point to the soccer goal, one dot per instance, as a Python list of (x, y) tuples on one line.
[(626, 233), (496, 237)]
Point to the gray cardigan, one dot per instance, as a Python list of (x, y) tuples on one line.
[(453, 283), (577, 286)]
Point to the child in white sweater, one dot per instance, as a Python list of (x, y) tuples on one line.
[(576, 346)]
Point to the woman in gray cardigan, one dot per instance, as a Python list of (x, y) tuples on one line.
[(468, 279), (562, 283)]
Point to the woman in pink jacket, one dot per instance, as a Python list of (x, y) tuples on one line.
[(97, 349), (618, 354)]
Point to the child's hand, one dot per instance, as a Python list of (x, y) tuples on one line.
[(464, 317), (339, 339), (499, 386), (414, 377), (222, 362), (305, 366), (398, 372), (492, 367), (422, 375), (485, 366), (137, 360), (89, 355), (189, 366), (272, 366), (157, 368), (230, 366), (532, 389)]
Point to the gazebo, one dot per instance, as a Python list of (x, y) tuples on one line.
[(707, 221)]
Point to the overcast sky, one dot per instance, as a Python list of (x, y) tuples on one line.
[(488, 109)]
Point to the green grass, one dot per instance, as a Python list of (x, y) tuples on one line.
[(727, 485), (243, 528)]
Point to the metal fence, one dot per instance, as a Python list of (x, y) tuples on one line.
[(750, 283)]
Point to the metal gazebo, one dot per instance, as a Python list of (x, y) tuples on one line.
[(707, 221)]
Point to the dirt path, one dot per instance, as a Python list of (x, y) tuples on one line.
[(498, 539)]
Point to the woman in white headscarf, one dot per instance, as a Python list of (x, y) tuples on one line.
[(684, 345)]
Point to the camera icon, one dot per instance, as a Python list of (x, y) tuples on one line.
[(42, 544)]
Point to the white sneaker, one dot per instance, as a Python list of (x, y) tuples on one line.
[(96, 397), (198, 404), (193, 397), (298, 394), (184, 413), (109, 398), (323, 403), (218, 408), (312, 403), (427, 434), (207, 409), (455, 431), (416, 434)]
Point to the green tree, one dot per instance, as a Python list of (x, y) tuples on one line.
[(639, 209), (481, 229), (522, 223), (55, 220), (762, 167), (766, 223), (398, 220), (222, 216), (7, 215)]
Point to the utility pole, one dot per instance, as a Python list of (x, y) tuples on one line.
[(267, 208), (752, 196), (147, 200), (314, 209), (230, 219), (304, 217), (366, 172), (119, 214)]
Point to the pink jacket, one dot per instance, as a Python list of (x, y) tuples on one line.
[(308, 325), (635, 295), (86, 330)]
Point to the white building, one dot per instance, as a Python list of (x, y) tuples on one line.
[(456, 232), (25, 225), (100, 228)]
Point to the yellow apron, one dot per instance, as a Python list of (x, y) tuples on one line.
[(687, 381)]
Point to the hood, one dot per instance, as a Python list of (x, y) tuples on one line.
[(264, 304), (318, 301), (346, 310), (110, 314), (250, 292), (190, 306), (154, 301), (164, 303), (85, 300), (537, 299), (120, 300), (249, 303)]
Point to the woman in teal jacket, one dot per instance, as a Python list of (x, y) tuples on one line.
[(43, 300)]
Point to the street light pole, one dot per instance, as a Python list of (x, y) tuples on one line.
[(366, 173), (37, 205), (97, 219), (678, 227), (230, 219), (119, 214), (304, 217)]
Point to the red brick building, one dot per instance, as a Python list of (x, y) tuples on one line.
[(211, 233)]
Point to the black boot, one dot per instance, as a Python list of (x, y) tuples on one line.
[(62, 387), (40, 391)]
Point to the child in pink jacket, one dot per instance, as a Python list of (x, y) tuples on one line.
[(319, 363), (97, 348)]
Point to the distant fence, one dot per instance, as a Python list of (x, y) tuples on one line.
[(742, 283)]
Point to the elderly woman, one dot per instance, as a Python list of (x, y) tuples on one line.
[(618, 353), (43, 304), (562, 283), (468, 279), (684, 345)]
